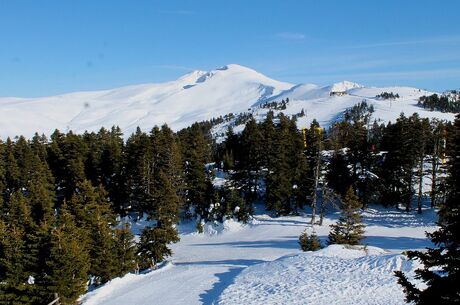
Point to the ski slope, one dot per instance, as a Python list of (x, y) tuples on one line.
[(261, 263), (196, 96)]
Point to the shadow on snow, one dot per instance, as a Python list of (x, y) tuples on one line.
[(274, 243), (210, 296), (397, 243)]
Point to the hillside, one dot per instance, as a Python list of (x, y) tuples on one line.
[(196, 96)]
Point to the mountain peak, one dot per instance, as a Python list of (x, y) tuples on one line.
[(193, 76), (235, 68), (344, 86)]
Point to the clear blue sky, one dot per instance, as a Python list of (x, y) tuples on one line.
[(50, 47)]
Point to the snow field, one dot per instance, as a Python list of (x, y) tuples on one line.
[(261, 263)]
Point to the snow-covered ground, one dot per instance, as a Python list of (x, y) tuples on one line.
[(261, 263), (194, 97), (334, 275)]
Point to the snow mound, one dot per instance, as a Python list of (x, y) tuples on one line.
[(334, 275), (228, 225), (347, 251)]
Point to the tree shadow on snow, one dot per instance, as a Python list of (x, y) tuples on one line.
[(397, 243), (210, 296), (282, 222), (226, 262), (291, 243), (377, 215)]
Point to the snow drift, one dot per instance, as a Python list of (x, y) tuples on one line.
[(335, 275)]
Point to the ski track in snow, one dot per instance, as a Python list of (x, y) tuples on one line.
[(261, 263)]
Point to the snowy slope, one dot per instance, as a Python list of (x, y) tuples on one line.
[(318, 103), (210, 268), (196, 96), (334, 275)]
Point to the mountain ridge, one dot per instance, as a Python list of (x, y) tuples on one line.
[(195, 96)]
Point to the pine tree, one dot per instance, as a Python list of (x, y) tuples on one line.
[(101, 250), (66, 159), (89, 203), (138, 167), (314, 139), (24, 158), (349, 229), (41, 192), (2, 176), (38, 145), (68, 263), (93, 214), (237, 206), (24, 243), (441, 265), (437, 139), (298, 167), (11, 170), (13, 265), (153, 245), (248, 168), (94, 142), (166, 210), (338, 175), (421, 135), (168, 156), (397, 168), (125, 251), (309, 242), (278, 195), (18, 212), (198, 187), (229, 203), (111, 166)]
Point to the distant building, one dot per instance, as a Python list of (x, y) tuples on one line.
[(338, 93)]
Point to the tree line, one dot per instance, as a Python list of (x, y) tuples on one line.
[(446, 102), (287, 168)]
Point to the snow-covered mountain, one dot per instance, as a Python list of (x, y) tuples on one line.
[(193, 97)]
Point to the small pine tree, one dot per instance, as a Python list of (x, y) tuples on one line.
[(125, 250), (309, 242), (349, 229), (153, 246), (102, 254)]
